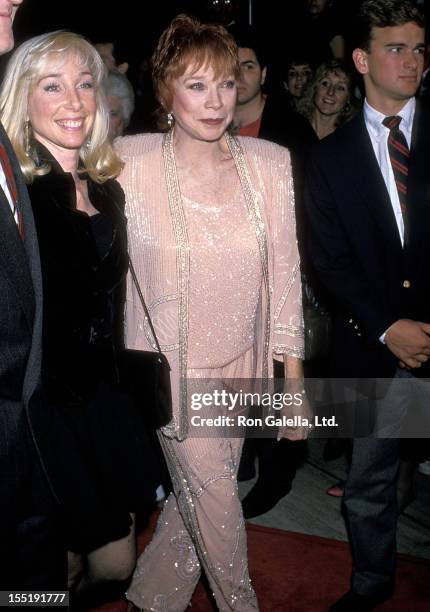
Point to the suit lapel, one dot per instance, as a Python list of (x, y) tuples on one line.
[(418, 195), (22, 264), (14, 260), (371, 186)]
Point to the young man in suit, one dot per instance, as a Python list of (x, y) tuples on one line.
[(368, 198), (31, 554)]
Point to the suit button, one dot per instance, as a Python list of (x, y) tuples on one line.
[(406, 284)]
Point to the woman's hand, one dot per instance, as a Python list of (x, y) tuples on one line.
[(299, 414), (299, 411)]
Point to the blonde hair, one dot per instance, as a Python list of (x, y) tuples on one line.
[(187, 41), (25, 67), (306, 104)]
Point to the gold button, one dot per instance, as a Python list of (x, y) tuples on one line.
[(406, 284)]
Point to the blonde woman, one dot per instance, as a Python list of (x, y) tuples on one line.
[(326, 102), (54, 112)]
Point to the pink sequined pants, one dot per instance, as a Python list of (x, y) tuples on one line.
[(200, 527)]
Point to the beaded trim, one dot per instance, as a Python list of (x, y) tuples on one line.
[(290, 330), (147, 330), (183, 272), (286, 291), (291, 351)]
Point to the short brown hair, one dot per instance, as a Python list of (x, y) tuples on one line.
[(382, 14), (188, 41)]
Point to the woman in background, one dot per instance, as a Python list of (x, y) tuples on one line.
[(120, 98), (54, 111), (326, 102), (223, 301), (297, 76)]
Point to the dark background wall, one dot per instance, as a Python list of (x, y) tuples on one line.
[(132, 24), (135, 25)]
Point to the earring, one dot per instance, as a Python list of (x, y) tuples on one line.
[(27, 137), (170, 120)]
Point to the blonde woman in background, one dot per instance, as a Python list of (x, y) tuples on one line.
[(326, 102)]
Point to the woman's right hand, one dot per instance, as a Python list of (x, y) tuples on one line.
[(299, 413)]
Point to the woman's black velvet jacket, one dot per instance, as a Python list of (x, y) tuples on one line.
[(83, 282)]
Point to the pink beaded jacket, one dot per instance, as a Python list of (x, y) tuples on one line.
[(220, 282)]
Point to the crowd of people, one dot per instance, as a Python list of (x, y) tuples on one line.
[(323, 177)]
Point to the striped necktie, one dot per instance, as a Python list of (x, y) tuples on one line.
[(398, 151), (13, 190)]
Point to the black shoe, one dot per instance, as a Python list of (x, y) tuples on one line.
[(355, 602), (263, 497)]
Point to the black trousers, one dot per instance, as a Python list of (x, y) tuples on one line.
[(32, 553)]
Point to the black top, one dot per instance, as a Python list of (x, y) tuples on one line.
[(84, 263), (280, 124)]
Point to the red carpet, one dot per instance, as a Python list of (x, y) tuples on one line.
[(294, 572)]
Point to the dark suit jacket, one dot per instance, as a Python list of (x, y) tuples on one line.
[(22, 411), (356, 248), (280, 124)]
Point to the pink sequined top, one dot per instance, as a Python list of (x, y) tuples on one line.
[(225, 279)]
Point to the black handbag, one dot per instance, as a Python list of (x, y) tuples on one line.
[(145, 375), (318, 324)]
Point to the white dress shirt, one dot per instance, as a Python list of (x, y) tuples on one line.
[(4, 186), (379, 136)]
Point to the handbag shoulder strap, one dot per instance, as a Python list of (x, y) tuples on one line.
[(142, 301), (139, 290)]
